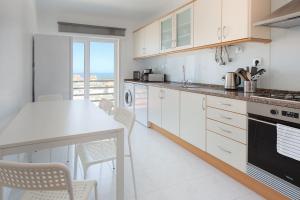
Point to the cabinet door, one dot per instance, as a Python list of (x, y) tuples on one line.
[(235, 19), (136, 40), (139, 43), (166, 34), (170, 111), (184, 27), (154, 105), (207, 22), (152, 39), (192, 119), (52, 70)]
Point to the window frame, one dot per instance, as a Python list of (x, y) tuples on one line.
[(87, 41)]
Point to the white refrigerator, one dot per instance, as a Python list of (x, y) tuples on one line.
[(52, 65)]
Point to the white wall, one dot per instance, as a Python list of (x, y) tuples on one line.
[(280, 58), (17, 24)]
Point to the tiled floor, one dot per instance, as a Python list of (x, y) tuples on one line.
[(165, 171)]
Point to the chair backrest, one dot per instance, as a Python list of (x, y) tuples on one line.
[(34, 176), (52, 97), (125, 117), (106, 105)]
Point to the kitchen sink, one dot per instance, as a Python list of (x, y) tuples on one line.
[(190, 86)]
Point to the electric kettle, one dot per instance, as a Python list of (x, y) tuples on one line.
[(232, 81)]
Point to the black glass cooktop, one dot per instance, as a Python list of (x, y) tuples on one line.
[(281, 96)]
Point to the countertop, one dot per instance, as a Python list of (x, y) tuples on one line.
[(219, 91)]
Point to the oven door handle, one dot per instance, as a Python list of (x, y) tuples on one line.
[(257, 120)]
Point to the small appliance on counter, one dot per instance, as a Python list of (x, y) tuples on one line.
[(145, 74), (136, 75), (156, 77), (232, 81)]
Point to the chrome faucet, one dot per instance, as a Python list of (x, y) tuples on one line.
[(184, 81)]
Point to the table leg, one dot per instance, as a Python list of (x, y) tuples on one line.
[(120, 166)]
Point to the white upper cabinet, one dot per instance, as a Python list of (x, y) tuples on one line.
[(184, 27), (152, 39), (203, 24), (166, 33), (235, 19), (219, 21), (207, 22), (139, 43), (146, 40), (176, 30)]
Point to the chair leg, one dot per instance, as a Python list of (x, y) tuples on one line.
[(113, 164), (96, 192), (75, 166), (132, 170), (68, 155), (84, 174), (85, 170)]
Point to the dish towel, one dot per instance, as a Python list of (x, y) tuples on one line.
[(288, 141)]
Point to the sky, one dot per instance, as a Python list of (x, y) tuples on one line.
[(101, 57)]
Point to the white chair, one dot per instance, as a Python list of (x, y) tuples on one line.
[(104, 151), (44, 181), (52, 97), (107, 106)]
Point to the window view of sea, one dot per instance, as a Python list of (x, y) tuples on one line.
[(94, 76)]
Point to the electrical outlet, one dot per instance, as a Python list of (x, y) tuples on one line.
[(257, 62)]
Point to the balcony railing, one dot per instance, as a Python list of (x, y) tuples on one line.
[(97, 90)]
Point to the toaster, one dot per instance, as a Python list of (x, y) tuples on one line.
[(156, 78)]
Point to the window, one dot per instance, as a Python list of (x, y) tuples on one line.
[(95, 70)]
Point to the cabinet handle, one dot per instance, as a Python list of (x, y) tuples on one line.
[(222, 149), (203, 104), (224, 130), (161, 94), (224, 117), (219, 33), (225, 104), (174, 43), (224, 34)]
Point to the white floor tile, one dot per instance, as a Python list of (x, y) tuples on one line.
[(165, 171)]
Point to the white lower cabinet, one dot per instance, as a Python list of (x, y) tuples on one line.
[(227, 131), (213, 124), (154, 105), (163, 108), (192, 119), (170, 111), (233, 119), (229, 151), (234, 133)]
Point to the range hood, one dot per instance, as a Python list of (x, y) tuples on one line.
[(285, 17)]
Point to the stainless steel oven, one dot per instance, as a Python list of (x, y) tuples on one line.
[(262, 146)]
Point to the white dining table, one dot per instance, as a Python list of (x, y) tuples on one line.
[(44, 125)]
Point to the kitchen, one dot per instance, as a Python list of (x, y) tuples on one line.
[(193, 106), (207, 91)]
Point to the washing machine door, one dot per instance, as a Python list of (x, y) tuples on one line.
[(128, 98)]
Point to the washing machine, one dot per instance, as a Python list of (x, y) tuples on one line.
[(129, 96)]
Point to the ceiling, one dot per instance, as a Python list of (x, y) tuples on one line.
[(125, 9)]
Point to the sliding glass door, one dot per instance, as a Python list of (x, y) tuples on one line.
[(95, 69)]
